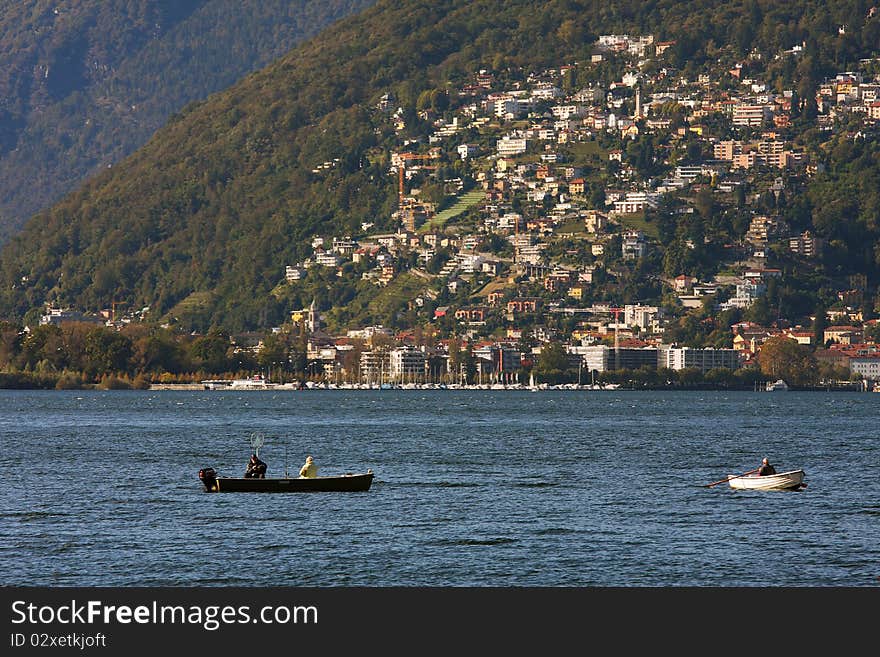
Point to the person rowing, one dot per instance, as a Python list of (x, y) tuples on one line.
[(766, 468)]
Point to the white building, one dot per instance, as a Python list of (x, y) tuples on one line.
[(368, 332), (59, 315), (633, 245), (469, 264), (508, 145), (467, 150), (546, 92), (750, 115), (679, 358), (344, 246), (630, 78), (509, 221), (564, 112), (635, 202), (508, 107), (645, 317), (868, 366), (327, 259), (406, 363)]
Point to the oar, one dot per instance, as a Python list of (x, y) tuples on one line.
[(715, 483)]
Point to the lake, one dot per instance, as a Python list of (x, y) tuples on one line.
[(472, 488)]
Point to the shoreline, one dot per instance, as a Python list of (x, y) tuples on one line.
[(183, 387), (566, 387)]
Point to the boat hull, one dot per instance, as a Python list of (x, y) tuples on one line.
[(343, 483), (792, 480)]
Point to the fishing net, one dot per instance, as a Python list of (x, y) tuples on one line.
[(257, 441)]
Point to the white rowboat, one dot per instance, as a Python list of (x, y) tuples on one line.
[(791, 480)]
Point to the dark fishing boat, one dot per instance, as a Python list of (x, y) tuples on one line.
[(340, 483)]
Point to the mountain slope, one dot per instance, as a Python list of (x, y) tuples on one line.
[(84, 83), (225, 195)]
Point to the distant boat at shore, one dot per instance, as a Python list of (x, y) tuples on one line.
[(255, 382), (779, 384)]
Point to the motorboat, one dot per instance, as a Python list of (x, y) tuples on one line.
[(256, 382), (340, 483)]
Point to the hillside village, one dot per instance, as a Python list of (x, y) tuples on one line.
[(554, 208), (533, 149)]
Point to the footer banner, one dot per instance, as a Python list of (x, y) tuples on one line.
[(113, 621)]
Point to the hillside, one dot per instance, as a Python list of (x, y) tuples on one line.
[(86, 82), (235, 187)]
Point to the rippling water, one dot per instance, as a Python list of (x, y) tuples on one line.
[(472, 488)]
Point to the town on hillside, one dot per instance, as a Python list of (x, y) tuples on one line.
[(613, 216)]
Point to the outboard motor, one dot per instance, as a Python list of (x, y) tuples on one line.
[(209, 478)]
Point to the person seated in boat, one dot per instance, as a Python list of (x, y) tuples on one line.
[(766, 468), (309, 469), (256, 469)]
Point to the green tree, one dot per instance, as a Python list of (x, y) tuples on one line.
[(44, 344), (690, 377), (209, 352), (783, 358), (470, 363), (552, 359), (10, 343), (455, 358), (107, 351), (721, 377), (274, 350), (820, 323), (157, 353), (749, 377)]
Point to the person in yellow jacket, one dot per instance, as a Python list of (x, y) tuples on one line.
[(309, 470)]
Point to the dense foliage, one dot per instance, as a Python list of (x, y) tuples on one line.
[(79, 354), (199, 223), (84, 355), (84, 83)]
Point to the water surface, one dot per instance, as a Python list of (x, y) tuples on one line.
[(472, 488)]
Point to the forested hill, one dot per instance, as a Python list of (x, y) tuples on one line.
[(83, 83), (229, 191)]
